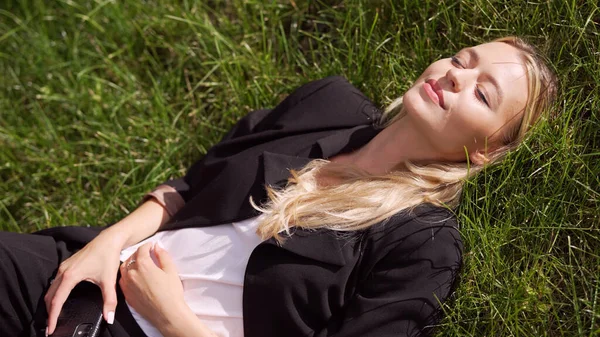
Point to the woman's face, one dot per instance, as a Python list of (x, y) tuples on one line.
[(468, 99)]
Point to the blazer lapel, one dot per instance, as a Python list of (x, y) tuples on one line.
[(320, 245), (306, 243), (277, 167)]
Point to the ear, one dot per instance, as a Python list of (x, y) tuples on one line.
[(478, 158)]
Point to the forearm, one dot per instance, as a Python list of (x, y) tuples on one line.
[(139, 224), (184, 324)]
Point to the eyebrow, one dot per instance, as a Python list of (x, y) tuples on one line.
[(475, 56)]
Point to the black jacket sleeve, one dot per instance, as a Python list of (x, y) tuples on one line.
[(403, 293)]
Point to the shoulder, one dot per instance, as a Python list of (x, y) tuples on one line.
[(331, 85), (422, 231), (336, 93), (417, 219), (332, 102), (409, 266)]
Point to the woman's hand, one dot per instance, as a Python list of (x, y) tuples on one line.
[(153, 289), (97, 262)]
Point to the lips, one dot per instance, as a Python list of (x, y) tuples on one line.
[(436, 91)]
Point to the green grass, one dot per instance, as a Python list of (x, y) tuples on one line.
[(102, 100)]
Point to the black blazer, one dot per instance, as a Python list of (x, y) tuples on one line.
[(385, 281)]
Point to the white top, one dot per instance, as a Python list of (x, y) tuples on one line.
[(211, 262)]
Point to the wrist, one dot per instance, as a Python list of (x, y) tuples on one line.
[(181, 322), (118, 235), (138, 225), (176, 320)]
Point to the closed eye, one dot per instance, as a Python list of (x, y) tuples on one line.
[(456, 61), (478, 93), (482, 96)]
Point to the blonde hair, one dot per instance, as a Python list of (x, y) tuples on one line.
[(361, 200)]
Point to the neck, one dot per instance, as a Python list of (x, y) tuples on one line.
[(396, 144)]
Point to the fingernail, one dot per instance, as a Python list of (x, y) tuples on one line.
[(111, 317), (46, 332)]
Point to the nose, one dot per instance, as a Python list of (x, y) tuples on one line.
[(453, 78), (458, 78)]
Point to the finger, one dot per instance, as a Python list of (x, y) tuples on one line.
[(165, 261), (122, 285), (58, 299), (135, 254), (123, 267), (144, 250), (51, 290), (143, 253), (50, 295), (109, 294), (54, 285)]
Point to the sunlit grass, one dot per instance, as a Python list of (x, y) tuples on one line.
[(102, 100)]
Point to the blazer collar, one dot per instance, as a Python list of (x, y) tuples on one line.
[(320, 245), (276, 167), (347, 140)]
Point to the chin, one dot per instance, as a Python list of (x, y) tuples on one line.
[(415, 105), (424, 115)]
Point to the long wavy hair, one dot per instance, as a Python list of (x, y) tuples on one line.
[(359, 200)]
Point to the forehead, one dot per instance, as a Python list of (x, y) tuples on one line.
[(506, 65), (499, 54)]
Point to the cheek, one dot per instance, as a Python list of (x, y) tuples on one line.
[(472, 127), (439, 67)]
